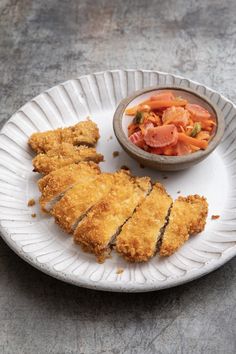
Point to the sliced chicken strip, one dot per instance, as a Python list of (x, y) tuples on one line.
[(79, 199), (85, 133), (187, 217), (63, 155), (137, 241), (102, 223), (56, 183)]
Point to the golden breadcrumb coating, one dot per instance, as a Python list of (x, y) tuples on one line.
[(85, 132), (80, 198), (187, 217), (63, 155), (138, 239), (104, 220), (58, 182)]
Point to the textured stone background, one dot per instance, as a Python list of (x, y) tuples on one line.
[(45, 42)]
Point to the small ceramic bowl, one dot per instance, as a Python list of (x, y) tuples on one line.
[(160, 162)]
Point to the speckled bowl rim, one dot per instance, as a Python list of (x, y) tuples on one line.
[(160, 159)]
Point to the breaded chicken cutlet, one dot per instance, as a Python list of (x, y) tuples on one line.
[(137, 241), (83, 133), (187, 217), (79, 199), (56, 183), (62, 155), (97, 230)]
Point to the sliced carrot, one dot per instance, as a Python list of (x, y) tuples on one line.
[(163, 95), (176, 115), (210, 122), (202, 144), (194, 148), (206, 124), (166, 103), (161, 136), (197, 112), (131, 111), (203, 135)]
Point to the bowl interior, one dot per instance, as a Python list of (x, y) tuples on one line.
[(191, 97)]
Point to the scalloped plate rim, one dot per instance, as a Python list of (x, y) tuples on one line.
[(104, 285)]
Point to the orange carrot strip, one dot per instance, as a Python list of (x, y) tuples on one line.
[(132, 128), (202, 144), (142, 107), (166, 103), (207, 126), (194, 148), (203, 135), (209, 121), (163, 95), (131, 111)]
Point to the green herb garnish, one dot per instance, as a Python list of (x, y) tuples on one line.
[(138, 119), (196, 129)]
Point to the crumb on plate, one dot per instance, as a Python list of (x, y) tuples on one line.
[(119, 270), (124, 167), (115, 153), (178, 192), (31, 202), (214, 217), (33, 215)]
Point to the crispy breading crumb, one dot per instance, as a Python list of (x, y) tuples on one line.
[(31, 202), (115, 153), (214, 217), (124, 167), (119, 270), (110, 138), (33, 215)]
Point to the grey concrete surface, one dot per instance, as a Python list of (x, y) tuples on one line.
[(45, 42)]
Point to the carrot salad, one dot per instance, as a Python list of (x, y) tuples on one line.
[(169, 125)]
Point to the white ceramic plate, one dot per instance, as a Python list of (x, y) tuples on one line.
[(41, 243)]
